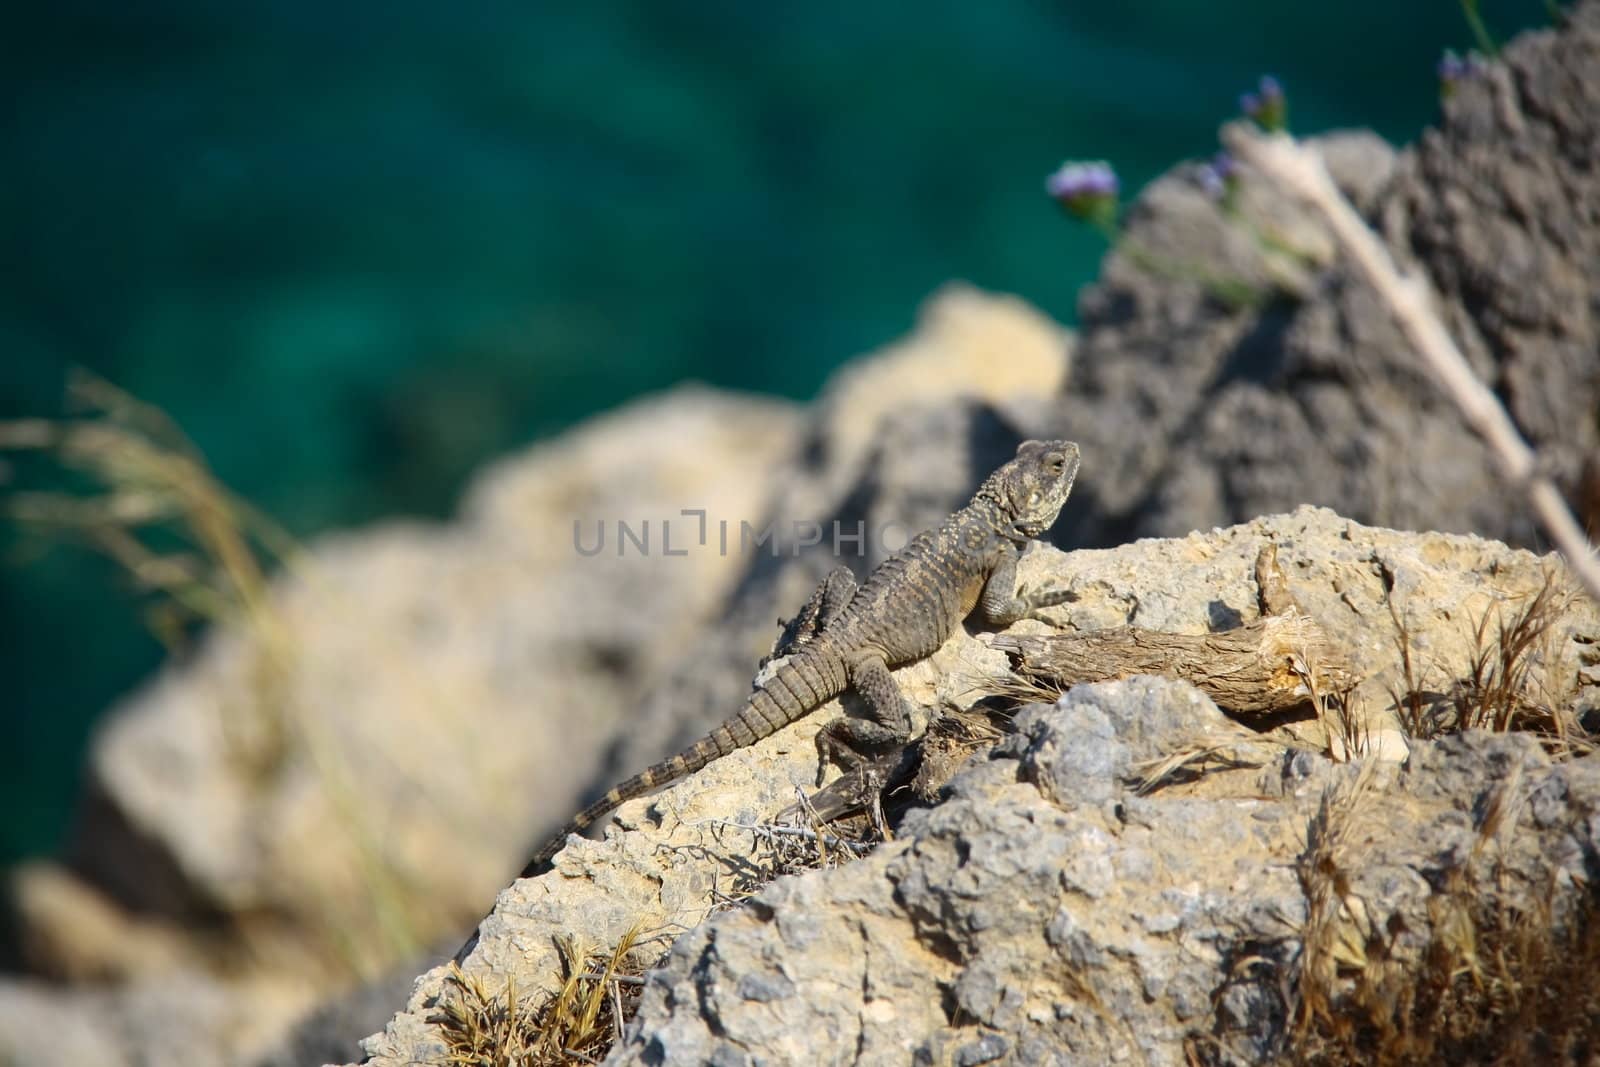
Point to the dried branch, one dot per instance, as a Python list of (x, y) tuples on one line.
[(1300, 170), (1256, 668)]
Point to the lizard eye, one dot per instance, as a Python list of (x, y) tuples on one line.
[(1055, 464)]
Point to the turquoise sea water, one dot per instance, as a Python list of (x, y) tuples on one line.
[(357, 249)]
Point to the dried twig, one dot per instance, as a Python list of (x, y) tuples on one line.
[(1255, 668), (772, 830), (1300, 170)]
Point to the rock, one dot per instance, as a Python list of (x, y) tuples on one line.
[(1230, 365), (330, 786), (1500, 204), (949, 922), (330, 1033), (409, 646), (294, 804), (76, 933), (1013, 921), (323, 794), (181, 1020)]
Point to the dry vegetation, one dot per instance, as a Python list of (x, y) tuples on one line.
[(1497, 983), (577, 1025), (1500, 687), (136, 489), (146, 498), (768, 851)]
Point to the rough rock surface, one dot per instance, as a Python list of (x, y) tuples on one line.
[(292, 818), (1197, 406), (1045, 914), (298, 812), (271, 821), (948, 922)]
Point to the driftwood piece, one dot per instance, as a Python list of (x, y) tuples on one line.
[(1258, 668), (1264, 667)]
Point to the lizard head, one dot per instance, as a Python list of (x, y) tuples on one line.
[(1032, 488)]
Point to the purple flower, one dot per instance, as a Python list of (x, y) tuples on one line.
[(1086, 190), (1268, 105), (1079, 179), (1219, 176), (1454, 69)]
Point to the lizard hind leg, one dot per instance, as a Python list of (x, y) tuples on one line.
[(848, 741), (826, 603)]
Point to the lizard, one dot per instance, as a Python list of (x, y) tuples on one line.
[(849, 636)]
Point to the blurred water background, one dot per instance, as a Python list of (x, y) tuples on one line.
[(357, 249)]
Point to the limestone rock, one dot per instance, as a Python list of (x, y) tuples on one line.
[(315, 797), (1031, 918), (966, 903)]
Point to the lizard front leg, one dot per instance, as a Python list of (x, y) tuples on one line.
[(847, 740), (1002, 602)]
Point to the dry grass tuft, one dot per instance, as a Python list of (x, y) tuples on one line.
[(1190, 761), (1021, 689), (1500, 688), (146, 498), (133, 487), (1336, 935), (1346, 733), (1496, 985), (577, 1025), (778, 849)]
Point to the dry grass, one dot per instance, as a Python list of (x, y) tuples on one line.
[(1023, 689), (777, 849), (1503, 979), (577, 1025), (1194, 759), (1346, 733), (1500, 687), (137, 490), (150, 503), (1336, 936), (1496, 985)]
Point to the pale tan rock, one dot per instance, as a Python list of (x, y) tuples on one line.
[(77, 933), (673, 854)]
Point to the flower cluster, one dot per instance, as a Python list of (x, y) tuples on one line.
[(1086, 191), (1454, 69), (1219, 176), (1267, 105)]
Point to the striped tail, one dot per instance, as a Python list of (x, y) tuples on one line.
[(808, 680)]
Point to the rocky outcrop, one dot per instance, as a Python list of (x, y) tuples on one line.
[(1046, 914), (319, 795), (1046, 858), (1227, 365), (1231, 365), (279, 819), (315, 800)]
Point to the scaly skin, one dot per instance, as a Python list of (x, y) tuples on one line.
[(850, 637)]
